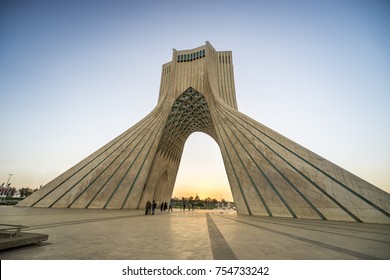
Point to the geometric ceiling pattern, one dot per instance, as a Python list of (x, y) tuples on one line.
[(190, 113)]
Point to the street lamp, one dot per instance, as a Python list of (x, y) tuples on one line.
[(9, 178), (4, 194)]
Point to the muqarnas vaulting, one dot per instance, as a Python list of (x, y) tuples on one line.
[(269, 175)]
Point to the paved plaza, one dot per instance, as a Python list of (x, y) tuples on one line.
[(195, 235)]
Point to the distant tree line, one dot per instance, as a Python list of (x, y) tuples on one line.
[(24, 192), (207, 203), (7, 191), (11, 191)]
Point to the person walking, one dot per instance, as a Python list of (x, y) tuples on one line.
[(162, 206), (154, 205), (147, 207), (170, 206), (165, 206)]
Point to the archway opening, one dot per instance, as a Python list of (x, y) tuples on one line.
[(202, 171)]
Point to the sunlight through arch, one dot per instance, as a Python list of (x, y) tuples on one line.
[(202, 170)]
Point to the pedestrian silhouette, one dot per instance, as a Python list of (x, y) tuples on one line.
[(154, 205), (170, 206), (147, 207)]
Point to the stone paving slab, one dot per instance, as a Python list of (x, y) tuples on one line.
[(22, 239), (91, 234)]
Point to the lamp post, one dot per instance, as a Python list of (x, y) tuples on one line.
[(4, 194), (9, 178)]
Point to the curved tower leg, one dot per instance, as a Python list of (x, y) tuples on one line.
[(112, 177)]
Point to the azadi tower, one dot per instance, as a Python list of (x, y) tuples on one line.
[(269, 175)]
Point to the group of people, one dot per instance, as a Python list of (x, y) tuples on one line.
[(150, 208), (184, 206)]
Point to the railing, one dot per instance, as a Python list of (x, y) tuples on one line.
[(9, 231)]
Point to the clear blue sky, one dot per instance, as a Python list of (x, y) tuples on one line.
[(75, 74)]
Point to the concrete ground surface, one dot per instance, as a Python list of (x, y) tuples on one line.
[(96, 234)]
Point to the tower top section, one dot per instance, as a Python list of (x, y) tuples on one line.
[(190, 54), (204, 69)]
